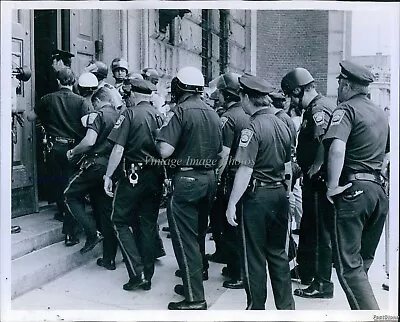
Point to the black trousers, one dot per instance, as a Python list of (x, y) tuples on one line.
[(89, 180), (264, 226), (192, 197), (360, 214), (143, 202), (60, 171), (314, 254)]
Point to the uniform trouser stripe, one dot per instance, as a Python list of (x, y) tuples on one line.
[(181, 249), (127, 258), (68, 187), (246, 264), (339, 265)]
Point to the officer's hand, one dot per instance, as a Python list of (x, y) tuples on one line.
[(108, 184), (336, 190), (231, 215)]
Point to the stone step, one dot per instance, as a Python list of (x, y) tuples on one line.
[(38, 230), (44, 265)]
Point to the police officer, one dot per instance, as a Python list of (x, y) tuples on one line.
[(314, 254), (100, 70), (138, 192), (87, 85), (192, 138), (234, 120), (357, 139), (119, 69), (61, 113), (262, 152), (95, 149)]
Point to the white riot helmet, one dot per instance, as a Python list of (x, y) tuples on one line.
[(189, 79), (87, 83)]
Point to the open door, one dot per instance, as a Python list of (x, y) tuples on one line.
[(84, 31), (24, 192)]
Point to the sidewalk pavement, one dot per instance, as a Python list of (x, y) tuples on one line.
[(91, 287)]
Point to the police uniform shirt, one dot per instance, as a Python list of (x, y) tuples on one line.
[(61, 114), (102, 122), (315, 122), (265, 147), (365, 129), (193, 129), (135, 130), (234, 120)]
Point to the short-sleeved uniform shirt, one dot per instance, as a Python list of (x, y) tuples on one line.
[(102, 122), (364, 128), (315, 122), (193, 128), (234, 120), (61, 112), (135, 131), (265, 147)]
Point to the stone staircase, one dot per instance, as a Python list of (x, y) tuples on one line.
[(38, 253)]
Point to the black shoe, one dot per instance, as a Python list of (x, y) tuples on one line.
[(296, 277), (296, 231), (179, 274), (216, 258), (166, 228), (59, 216), (312, 292), (185, 305), (161, 253), (91, 243), (385, 287), (138, 282), (233, 284), (146, 286), (71, 240), (178, 289), (110, 265), (15, 229)]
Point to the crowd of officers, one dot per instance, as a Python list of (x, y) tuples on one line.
[(230, 159)]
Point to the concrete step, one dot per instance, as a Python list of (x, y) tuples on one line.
[(44, 265), (38, 230)]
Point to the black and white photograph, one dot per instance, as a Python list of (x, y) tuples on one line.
[(189, 161)]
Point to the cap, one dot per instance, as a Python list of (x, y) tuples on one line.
[(355, 73), (150, 72), (142, 86), (61, 54), (254, 85)]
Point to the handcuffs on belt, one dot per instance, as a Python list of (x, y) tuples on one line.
[(133, 177)]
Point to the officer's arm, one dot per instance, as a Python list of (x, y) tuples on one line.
[(335, 162), (224, 156), (87, 142), (165, 149), (242, 179), (115, 158)]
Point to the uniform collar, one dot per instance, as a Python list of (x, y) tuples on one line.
[(313, 101), (261, 112)]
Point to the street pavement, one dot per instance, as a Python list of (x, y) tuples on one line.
[(91, 287)]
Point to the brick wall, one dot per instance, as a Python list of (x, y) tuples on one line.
[(289, 39)]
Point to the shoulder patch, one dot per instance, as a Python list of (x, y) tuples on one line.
[(223, 121), (245, 137), (337, 117), (91, 118), (319, 118), (119, 121)]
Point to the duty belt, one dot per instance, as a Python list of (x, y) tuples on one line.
[(365, 177), (259, 183), (61, 140)]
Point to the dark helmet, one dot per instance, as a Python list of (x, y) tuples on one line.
[(298, 77), (119, 63), (98, 68), (229, 82)]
